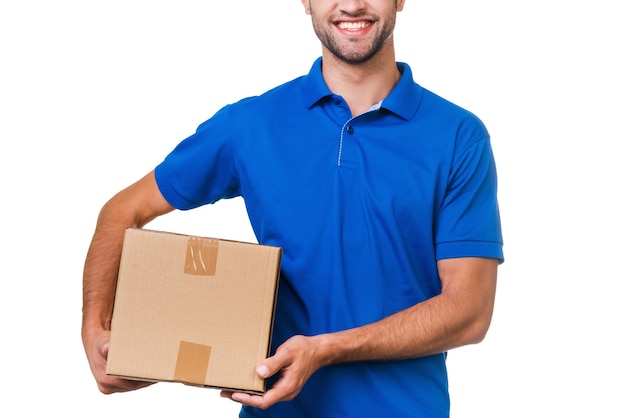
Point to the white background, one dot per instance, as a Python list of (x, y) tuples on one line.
[(94, 94)]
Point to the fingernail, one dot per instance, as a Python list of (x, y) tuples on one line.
[(262, 370)]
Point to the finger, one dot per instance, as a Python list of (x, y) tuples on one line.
[(256, 401), (226, 394), (109, 385), (272, 365), (263, 371), (281, 391)]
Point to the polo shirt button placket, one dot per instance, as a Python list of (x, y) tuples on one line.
[(350, 129)]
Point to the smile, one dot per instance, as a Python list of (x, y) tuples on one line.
[(353, 26)]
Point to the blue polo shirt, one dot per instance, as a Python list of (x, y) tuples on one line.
[(363, 208)]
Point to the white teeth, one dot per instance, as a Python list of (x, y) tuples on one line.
[(353, 25)]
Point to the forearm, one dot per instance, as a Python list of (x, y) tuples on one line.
[(101, 266), (421, 330), (134, 206), (460, 315)]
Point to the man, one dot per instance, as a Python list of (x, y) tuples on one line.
[(383, 198)]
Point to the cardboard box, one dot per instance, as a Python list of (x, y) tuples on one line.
[(193, 310)]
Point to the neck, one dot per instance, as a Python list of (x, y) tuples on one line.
[(361, 85)]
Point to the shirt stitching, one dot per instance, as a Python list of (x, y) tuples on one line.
[(343, 128)]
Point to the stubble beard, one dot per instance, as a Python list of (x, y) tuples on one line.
[(354, 53)]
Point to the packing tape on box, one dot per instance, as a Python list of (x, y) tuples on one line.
[(192, 363), (201, 259)]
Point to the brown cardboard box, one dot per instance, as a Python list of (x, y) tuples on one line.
[(193, 310)]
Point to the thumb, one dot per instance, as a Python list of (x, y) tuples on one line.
[(105, 350), (263, 371), (270, 366)]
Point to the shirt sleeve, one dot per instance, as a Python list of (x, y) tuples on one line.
[(468, 222), (202, 168)]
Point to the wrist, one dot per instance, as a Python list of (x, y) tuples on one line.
[(94, 326), (336, 348)]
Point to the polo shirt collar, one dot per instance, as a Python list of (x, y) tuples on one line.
[(314, 87), (403, 100), (406, 96)]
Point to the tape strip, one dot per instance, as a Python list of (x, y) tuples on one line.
[(201, 259), (192, 363)]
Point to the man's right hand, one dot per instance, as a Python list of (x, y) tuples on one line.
[(97, 349)]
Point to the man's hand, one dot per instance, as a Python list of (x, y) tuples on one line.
[(296, 360), (97, 349)]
